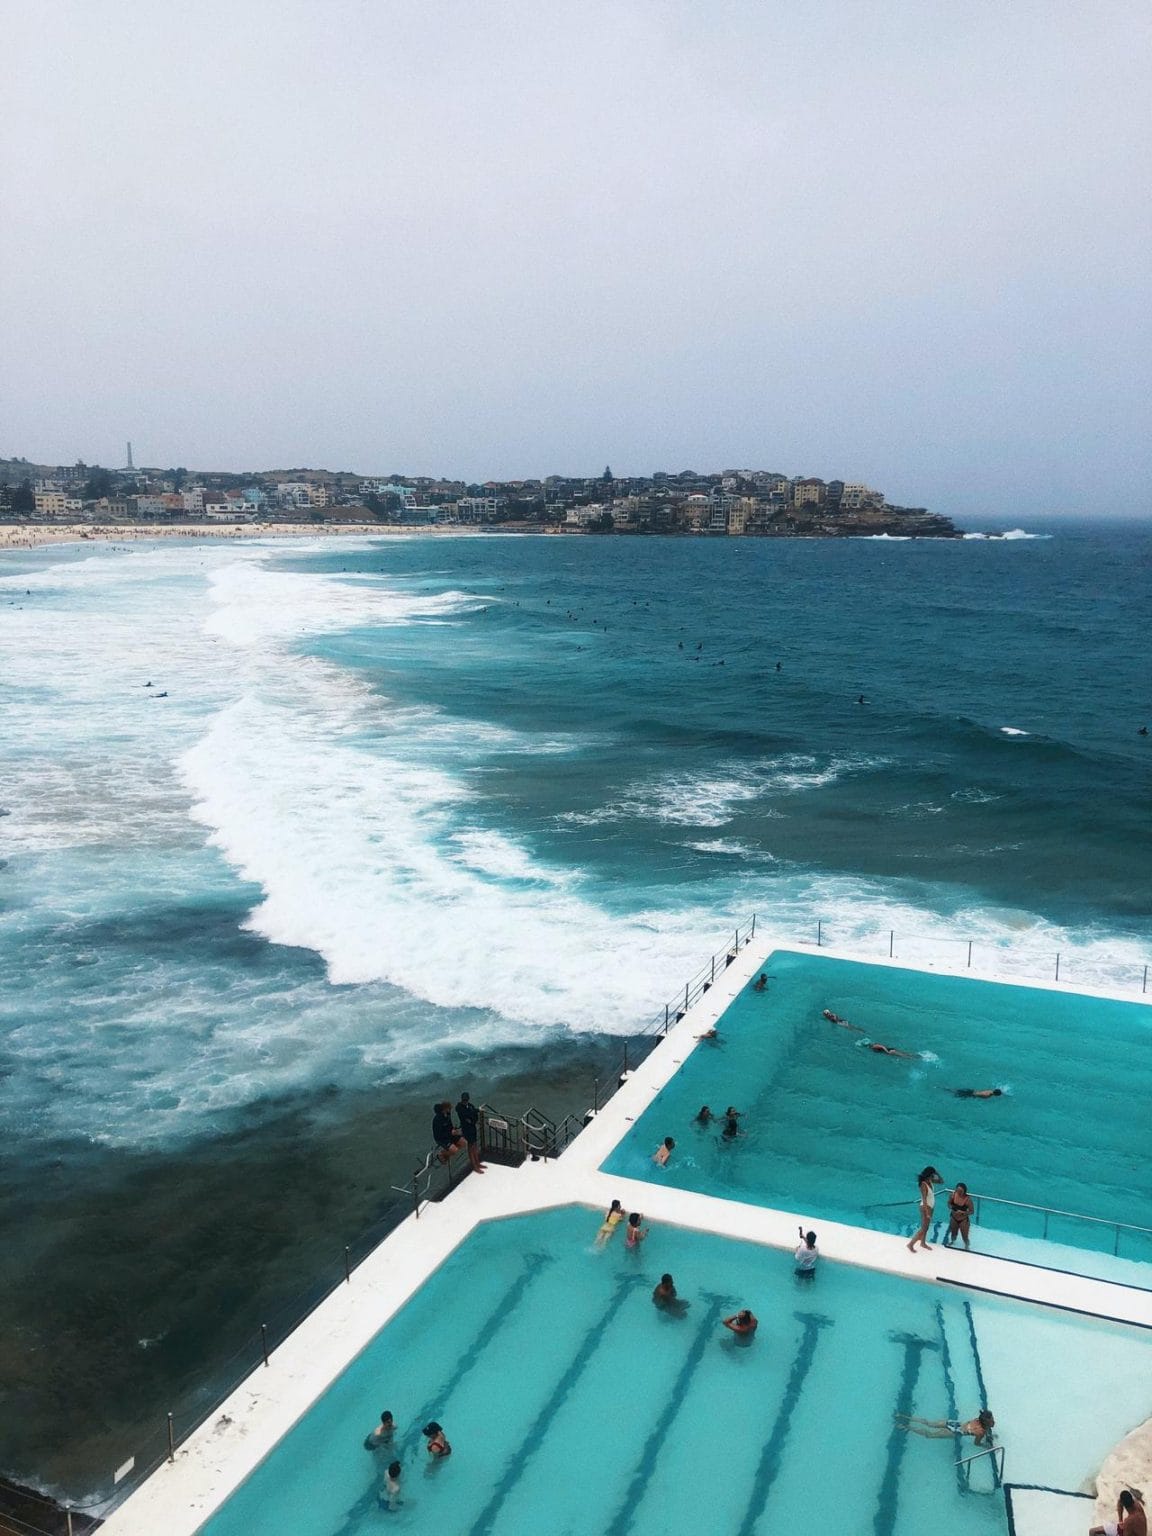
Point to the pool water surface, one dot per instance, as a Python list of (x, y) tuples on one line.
[(837, 1131), (572, 1403)]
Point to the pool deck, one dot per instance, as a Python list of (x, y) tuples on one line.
[(181, 1495)]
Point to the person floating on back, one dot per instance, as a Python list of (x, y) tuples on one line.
[(381, 1436), (663, 1152), (806, 1254)]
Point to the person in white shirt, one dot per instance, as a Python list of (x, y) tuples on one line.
[(807, 1253)]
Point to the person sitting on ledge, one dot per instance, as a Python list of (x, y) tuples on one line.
[(1130, 1518)]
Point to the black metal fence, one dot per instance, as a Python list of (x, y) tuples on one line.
[(504, 1139)]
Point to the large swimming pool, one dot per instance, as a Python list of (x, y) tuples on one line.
[(834, 1130), (574, 1406)]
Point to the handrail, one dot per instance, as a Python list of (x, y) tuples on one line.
[(1024, 1205), (992, 1450)]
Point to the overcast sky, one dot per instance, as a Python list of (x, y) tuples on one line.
[(892, 240)]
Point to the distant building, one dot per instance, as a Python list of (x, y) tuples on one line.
[(52, 503), (807, 492)]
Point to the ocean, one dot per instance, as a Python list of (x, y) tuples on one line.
[(296, 837)]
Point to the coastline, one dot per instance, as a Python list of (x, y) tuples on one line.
[(24, 536)]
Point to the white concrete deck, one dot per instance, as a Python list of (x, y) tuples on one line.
[(182, 1494)]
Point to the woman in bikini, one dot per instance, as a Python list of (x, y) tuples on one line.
[(636, 1233), (927, 1181), (612, 1219), (438, 1446), (980, 1428), (960, 1211)]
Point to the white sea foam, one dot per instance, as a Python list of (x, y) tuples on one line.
[(1011, 730), (1012, 533), (730, 847)]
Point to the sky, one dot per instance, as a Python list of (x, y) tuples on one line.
[(896, 241)]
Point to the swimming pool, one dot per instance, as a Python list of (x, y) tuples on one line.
[(839, 1132), (572, 1403)]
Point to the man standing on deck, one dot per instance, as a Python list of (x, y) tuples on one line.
[(469, 1118)]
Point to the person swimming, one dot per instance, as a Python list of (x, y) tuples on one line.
[(834, 1018), (980, 1428), (732, 1119), (711, 1035), (705, 1116), (976, 1093), (760, 984), (885, 1050), (636, 1233), (663, 1152)]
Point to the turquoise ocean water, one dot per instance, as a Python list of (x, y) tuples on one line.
[(425, 811)]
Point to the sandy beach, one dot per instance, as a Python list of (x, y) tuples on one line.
[(29, 536)]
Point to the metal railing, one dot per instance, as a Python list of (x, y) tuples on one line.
[(1047, 1212), (961, 952), (514, 1138), (503, 1138), (997, 1466)]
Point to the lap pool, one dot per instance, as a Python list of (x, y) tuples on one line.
[(575, 1406), (835, 1131)]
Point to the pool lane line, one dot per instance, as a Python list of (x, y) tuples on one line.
[(950, 1394), (1011, 1488), (483, 1524), (1077, 1274), (621, 1522), (534, 1266), (887, 1500), (983, 1388), (1036, 1301), (772, 1455)]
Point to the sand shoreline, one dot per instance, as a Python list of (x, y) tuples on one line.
[(32, 536)]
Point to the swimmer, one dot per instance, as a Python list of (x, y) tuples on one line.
[(886, 1050), (663, 1152), (976, 1093), (636, 1233), (743, 1323), (731, 1124), (612, 1219), (712, 1036), (980, 1428), (760, 984), (705, 1116), (382, 1434), (438, 1446), (834, 1018), (389, 1494)]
